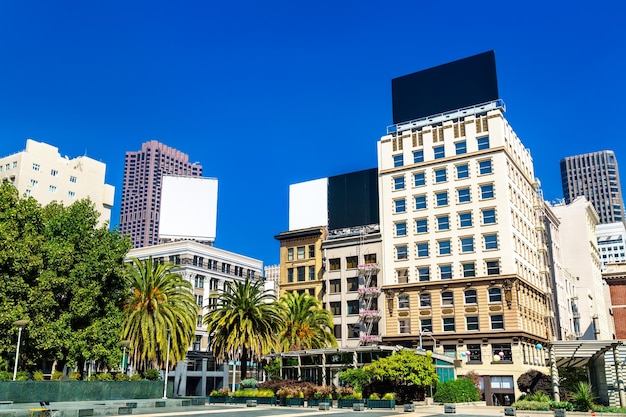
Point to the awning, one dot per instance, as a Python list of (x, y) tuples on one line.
[(576, 353)]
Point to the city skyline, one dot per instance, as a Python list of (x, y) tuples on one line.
[(267, 96)]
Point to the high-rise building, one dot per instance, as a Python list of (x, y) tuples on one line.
[(41, 172), (596, 176), (611, 241), (141, 189)]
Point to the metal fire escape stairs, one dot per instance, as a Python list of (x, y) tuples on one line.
[(368, 292)]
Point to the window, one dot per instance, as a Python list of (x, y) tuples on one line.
[(504, 351), (444, 247), (401, 229), (300, 252), (418, 156), (445, 271), (443, 222), (311, 273), (441, 198), (471, 323), (52, 188), (311, 251), (425, 299), (36, 167), (398, 183), (469, 269), (448, 324), (34, 183), (475, 353), (335, 308), (462, 171), (447, 298), (426, 325), (441, 175), (486, 191), (493, 267), (423, 273), (300, 271), (419, 179), (398, 160), (290, 254), (72, 179), (505, 382), (400, 205), (199, 320), (460, 147), (54, 172), (337, 331), (465, 219), (497, 322), (403, 301), (471, 297), (484, 167), (421, 225), (467, 244), (402, 252), (70, 194), (199, 281), (354, 330), (335, 264), (353, 306), (199, 300), (483, 143), (491, 241), (352, 262), (335, 285), (404, 326), (464, 195), (289, 274), (420, 202), (440, 152), (495, 295), (489, 216), (422, 249), (403, 276), (353, 284)]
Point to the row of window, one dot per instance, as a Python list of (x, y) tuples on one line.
[(300, 273), (354, 330), (440, 175), (353, 307), (448, 324), (8, 166), (470, 297), (352, 284), (444, 246), (439, 152), (352, 262), (300, 252), (441, 198), (37, 167), (442, 222), (468, 270)]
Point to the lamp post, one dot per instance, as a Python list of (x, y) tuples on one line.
[(124, 364), (167, 365), (20, 325), (429, 334)]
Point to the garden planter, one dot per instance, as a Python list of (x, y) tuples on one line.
[(348, 402), (298, 402), (218, 400), (391, 404), (314, 402)]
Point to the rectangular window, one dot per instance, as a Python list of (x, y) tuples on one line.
[(504, 351), (353, 284), (421, 225), (335, 286), (483, 143), (493, 267), (489, 216), (335, 308), (423, 273), (354, 330), (486, 191), (398, 183), (464, 195), (491, 241), (300, 271), (353, 306), (425, 299), (403, 276), (36, 167), (471, 323), (34, 183), (199, 300), (447, 298), (418, 156), (352, 262), (484, 167), (72, 179), (399, 205), (467, 244), (52, 188), (402, 252), (471, 297), (334, 264), (370, 258), (54, 172), (300, 252), (497, 322), (311, 251), (422, 249), (465, 219), (426, 325), (495, 295), (502, 382), (403, 302), (312, 273), (337, 331), (420, 202), (398, 160), (441, 198), (445, 271), (444, 247), (462, 171), (469, 269), (440, 152), (401, 229), (475, 353), (404, 326), (290, 254), (70, 194), (441, 175), (448, 324), (419, 179), (443, 222), (460, 147), (199, 281)]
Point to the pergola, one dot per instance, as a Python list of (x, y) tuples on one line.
[(578, 353)]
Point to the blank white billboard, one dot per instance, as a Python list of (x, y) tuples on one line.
[(308, 204), (188, 208)]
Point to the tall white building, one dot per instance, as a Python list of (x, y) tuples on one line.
[(611, 240), (41, 172)]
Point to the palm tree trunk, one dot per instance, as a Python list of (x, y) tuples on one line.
[(244, 363)]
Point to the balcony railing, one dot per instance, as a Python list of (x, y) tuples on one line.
[(368, 267), (370, 338), (369, 291), (369, 314)]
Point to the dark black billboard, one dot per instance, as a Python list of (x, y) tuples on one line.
[(446, 87), (353, 199)]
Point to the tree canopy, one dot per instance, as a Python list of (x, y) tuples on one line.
[(307, 325)]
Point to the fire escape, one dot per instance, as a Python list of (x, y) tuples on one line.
[(368, 299)]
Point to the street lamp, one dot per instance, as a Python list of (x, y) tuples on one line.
[(167, 365), (20, 325), (124, 364), (429, 334)]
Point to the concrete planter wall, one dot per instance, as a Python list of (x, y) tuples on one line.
[(35, 391)]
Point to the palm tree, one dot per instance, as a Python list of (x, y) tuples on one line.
[(161, 302), (308, 325), (244, 322)]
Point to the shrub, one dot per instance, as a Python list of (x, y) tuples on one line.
[(135, 377), (608, 409), (22, 376), (290, 392), (538, 396), (389, 396), (104, 376), (152, 374), (38, 376), (74, 376), (121, 377), (565, 405), (533, 381), (456, 391), (222, 392), (582, 397), (531, 405), (5, 376), (249, 383), (374, 396), (56, 375)]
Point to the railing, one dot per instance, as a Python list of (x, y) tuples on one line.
[(371, 338), (369, 291), (369, 314)]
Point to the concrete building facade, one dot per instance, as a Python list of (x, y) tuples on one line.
[(611, 240), (41, 172)]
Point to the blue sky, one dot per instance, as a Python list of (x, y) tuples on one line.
[(266, 94)]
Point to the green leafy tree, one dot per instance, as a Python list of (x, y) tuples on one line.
[(457, 391), (244, 322), (307, 324), (356, 378), (161, 302), (65, 273)]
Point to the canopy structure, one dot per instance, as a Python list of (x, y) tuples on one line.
[(577, 353)]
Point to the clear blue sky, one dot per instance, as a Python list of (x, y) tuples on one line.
[(266, 94)]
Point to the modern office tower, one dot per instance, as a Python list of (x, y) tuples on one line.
[(208, 269), (611, 239), (460, 267), (41, 172), (596, 176), (141, 190)]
